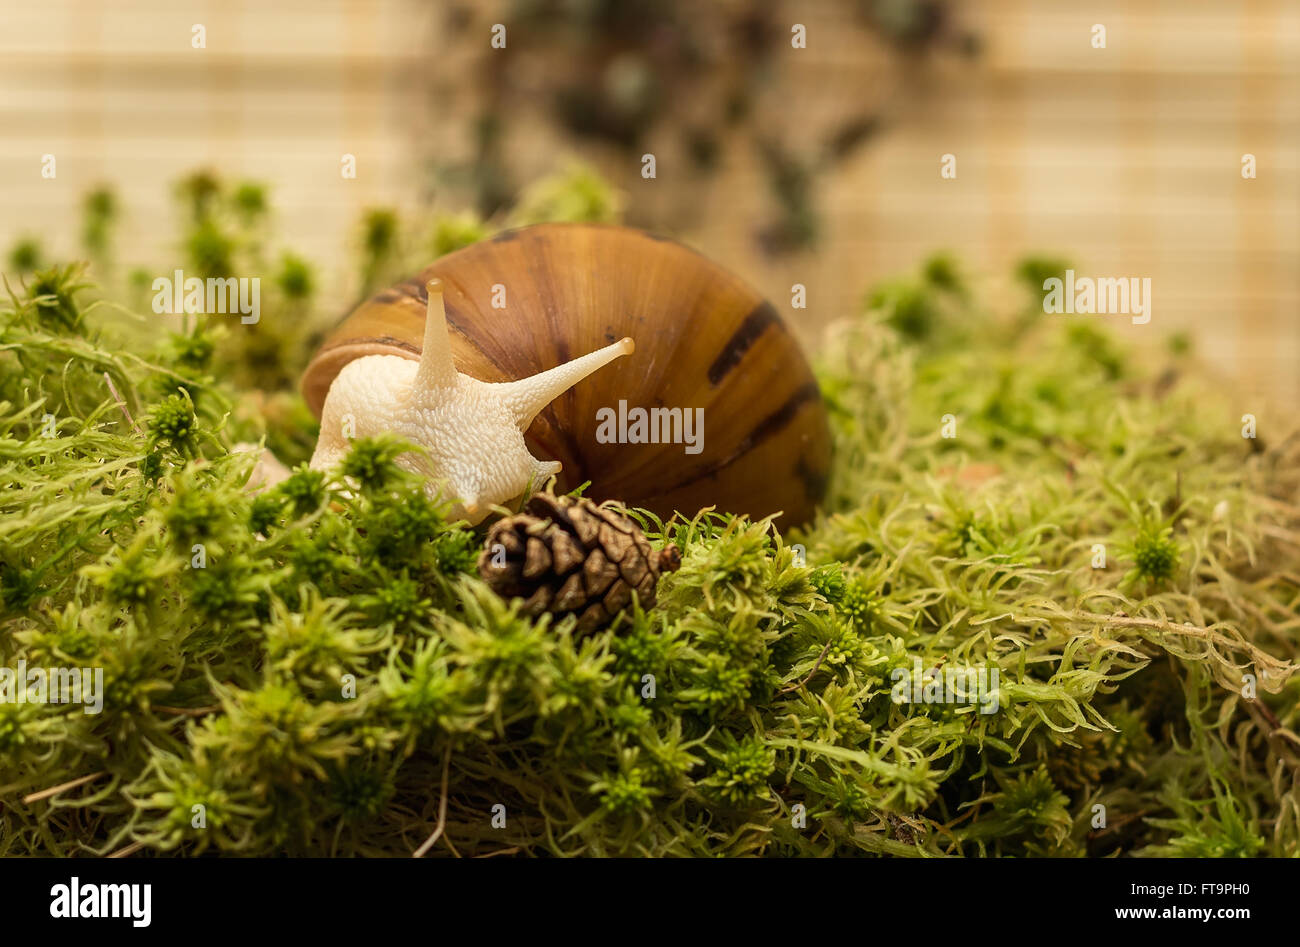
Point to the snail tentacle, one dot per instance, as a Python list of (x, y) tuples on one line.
[(528, 396), (436, 367)]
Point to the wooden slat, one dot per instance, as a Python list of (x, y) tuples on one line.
[(1125, 160)]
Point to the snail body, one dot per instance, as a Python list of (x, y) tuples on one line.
[(529, 314)]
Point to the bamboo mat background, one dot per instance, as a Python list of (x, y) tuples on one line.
[(1124, 160), (280, 93)]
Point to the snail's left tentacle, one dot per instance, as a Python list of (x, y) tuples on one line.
[(528, 396)]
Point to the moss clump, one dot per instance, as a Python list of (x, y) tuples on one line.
[(1015, 515), (172, 423), (1155, 553), (453, 231), (576, 193)]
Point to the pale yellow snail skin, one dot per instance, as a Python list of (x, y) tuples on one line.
[(473, 430)]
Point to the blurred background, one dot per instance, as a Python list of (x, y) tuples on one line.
[(817, 165)]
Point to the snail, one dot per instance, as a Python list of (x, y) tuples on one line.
[(484, 358)]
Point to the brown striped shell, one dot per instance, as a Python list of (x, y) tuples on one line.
[(704, 339)]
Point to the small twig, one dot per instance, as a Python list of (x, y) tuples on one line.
[(442, 810), (129, 850), (964, 816), (502, 851), (1275, 731), (1178, 497), (1119, 823), (188, 711), (121, 403), (1266, 711), (55, 790), (818, 663)]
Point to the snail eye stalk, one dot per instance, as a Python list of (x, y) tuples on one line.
[(436, 367)]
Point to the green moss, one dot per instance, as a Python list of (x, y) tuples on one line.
[(576, 193), (380, 230), (99, 212), (1120, 559), (453, 231), (250, 202), (25, 255), (172, 423), (1155, 553), (295, 279), (211, 250), (52, 293)]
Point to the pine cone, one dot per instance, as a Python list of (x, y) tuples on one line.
[(564, 556)]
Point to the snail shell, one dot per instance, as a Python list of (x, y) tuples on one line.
[(704, 339)]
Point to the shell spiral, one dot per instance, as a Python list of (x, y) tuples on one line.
[(704, 339)]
